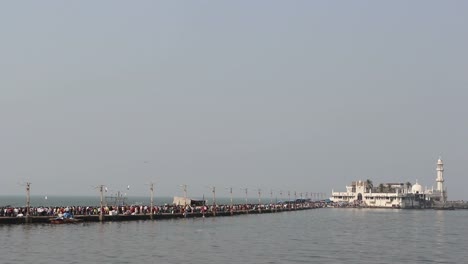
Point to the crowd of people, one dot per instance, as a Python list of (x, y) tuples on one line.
[(10, 211)]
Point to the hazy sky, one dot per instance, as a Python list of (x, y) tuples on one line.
[(304, 96)]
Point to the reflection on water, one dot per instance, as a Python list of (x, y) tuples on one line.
[(440, 236), (314, 236)]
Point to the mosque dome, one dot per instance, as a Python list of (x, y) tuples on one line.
[(417, 188)]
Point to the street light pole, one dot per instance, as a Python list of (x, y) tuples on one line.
[(214, 195), (28, 201), (259, 197), (101, 213), (295, 200), (185, 194), (152, 201), (271, 197), (302, 201), (246, 209), (259, 200), (281, 199), (230, 191)]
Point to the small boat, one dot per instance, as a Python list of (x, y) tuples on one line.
[(66, 218), (62, 220)]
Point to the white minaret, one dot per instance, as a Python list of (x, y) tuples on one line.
[(440, 176)]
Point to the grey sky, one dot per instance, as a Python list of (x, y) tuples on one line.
[(303, 96)]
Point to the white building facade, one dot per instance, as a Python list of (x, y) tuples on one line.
[(393, 195)]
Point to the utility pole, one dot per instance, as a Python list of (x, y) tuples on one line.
[(213, 190), (230, 191), (259, 197), (28, 201), (101, 213), (295, 200), (271, 200), (246, 209), (185, 194), (302, 201), (259, 200), (271, 197), (281, 199), (152, 202)]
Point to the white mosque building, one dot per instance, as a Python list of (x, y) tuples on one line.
[(394, 195)]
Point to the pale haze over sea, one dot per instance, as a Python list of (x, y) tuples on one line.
[(302, 96)]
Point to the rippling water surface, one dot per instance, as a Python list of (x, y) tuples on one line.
[(313, 236)]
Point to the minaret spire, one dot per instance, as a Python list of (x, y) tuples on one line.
[(440, 179), (440, 175)]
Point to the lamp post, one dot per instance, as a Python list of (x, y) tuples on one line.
[(28, 201), (281, 197), (152, 201), (101, 213), (246, 209), (230, 191), (271, 200), (213, 190), (281, 201), (302, 201), (295, 200), (259, 200), (259, 197), (185, 194)]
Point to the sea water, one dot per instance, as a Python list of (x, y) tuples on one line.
[(325, 235), (51, 201)]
